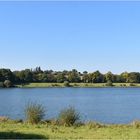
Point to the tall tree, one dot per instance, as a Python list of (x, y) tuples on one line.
[(109, 77)]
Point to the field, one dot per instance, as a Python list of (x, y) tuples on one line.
[(43, 85), (14, 130)]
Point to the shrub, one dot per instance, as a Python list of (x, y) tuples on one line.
[(52, 122), (86, 85), (18, 121), (8, 83), (34, 113), (131, 84), (123, 85), (136, 124), (75, 85), (68, 117), (109, 83), (66, 84), (94, 125), (3, 119), (55, 85)]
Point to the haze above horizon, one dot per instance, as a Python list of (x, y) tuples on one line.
[(78, 35)]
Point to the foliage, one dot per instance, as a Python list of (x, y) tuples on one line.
[(60, 78), (34, 113), (96, 77), (136, 123), (66, 84), (73, 76), (3, 119), (133, 77), (109, 77), (94, 125), (6, 74), (109, 83), (69, 116), (55, 85), (132, 85)]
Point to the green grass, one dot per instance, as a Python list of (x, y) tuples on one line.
[(48, 131), (94, 85)]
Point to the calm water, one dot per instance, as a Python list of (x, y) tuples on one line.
[(107, 105)]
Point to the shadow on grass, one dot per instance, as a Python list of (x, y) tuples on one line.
[(17, 135)]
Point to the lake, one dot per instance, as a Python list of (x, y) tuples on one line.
[(107, 105)]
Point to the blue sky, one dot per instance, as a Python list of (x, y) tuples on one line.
[(88, 36)]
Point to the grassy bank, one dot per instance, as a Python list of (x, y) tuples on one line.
[(14, 130), (94, 85)]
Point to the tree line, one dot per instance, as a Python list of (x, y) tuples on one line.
[(9, 78)]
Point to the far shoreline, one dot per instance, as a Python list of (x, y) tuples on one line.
[(78, 85)]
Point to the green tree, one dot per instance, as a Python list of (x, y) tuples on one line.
[(134, 77), (109, 77), (73, 76), (85, 78), (124, 77), (28, 75), (117, 79), (6, 74), (24, 75), (60, 78), (96, 77)]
